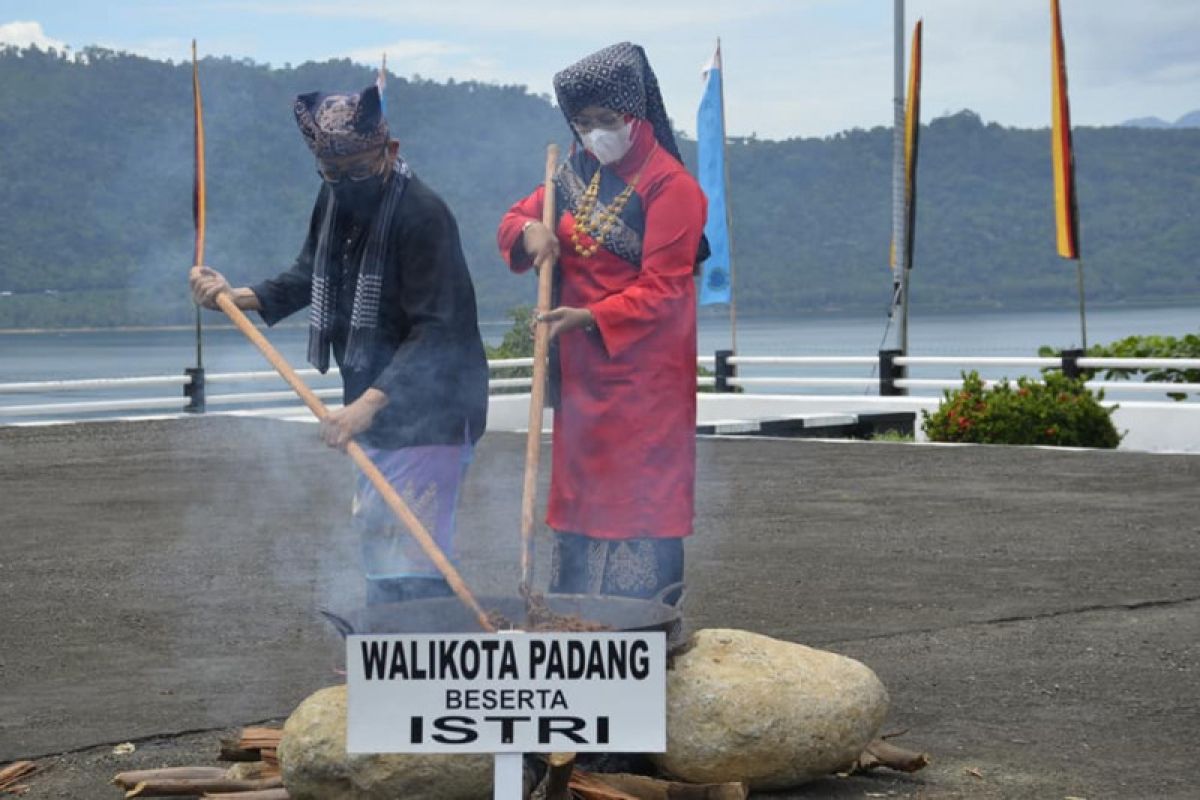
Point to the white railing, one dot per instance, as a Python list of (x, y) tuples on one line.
[(1036, 362), (803, 361), (1140, 363), (93, 407), (1154, 387), (180, 402), (31, 387), (800, 383), (727, 367)]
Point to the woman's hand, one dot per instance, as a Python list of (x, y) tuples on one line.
[(540, 243), (206, 284), (564, 319), (339, 427)]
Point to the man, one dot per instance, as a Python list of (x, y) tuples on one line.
[(390, 295)]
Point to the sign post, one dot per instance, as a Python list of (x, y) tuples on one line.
[(506, 694)]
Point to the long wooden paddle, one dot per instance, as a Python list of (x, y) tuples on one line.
[(537, 391), (357, 454)]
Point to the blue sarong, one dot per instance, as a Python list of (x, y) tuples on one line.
[(428, 478)]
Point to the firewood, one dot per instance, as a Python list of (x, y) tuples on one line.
[(880, 753), (231, 751), (169, 787), (647, 788), (587, 786), (257, 738), (250, 743), (11, 773), (131, 778), (265, 794)]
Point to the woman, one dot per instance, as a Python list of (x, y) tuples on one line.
[(627, 240)]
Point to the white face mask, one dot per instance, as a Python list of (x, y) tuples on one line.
[(609, 146)]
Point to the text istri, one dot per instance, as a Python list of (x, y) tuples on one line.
[(496, 659), (562, 730)]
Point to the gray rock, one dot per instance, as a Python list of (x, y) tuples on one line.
[(774, 714), (312, 755)]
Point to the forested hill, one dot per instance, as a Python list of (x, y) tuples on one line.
[(96, 172)]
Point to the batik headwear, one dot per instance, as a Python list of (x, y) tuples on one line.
[(618, 78), (342, 124)]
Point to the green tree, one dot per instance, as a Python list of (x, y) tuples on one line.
[(95, 195)]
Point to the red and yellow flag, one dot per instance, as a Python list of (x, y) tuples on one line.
[(198, 199), (1066, 214), (912, 133)]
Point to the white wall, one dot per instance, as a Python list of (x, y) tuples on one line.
[(1148, 426)]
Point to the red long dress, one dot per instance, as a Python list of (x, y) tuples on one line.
[(624, 450)]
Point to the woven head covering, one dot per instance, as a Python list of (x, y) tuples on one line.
[(618, 78), (342, 124)]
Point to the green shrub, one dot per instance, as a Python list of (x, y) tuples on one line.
[(517, 343), (1061, 411), (1187, 346), (891, 436)]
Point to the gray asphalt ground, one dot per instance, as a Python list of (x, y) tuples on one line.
[(1034, 614)]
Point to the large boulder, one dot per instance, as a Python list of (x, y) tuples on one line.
[(316, 766), (773, 714)]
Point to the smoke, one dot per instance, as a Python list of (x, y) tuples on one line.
[(266, 538)]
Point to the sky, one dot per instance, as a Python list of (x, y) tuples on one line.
[(791, 67)]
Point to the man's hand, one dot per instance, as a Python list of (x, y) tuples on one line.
[(541, 244), (341, 426), (206, 284), (565, 318)]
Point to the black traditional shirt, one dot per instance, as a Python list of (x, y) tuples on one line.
[(428, 358)]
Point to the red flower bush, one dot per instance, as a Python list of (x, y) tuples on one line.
[(1061, 411)]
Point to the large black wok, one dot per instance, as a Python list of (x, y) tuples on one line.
[(449, 615)]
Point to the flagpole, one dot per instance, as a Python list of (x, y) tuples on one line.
[(1062, 154), (728, 210), (899, 235), (1082, 311)]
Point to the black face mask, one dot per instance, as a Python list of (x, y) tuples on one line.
[(358, 197)]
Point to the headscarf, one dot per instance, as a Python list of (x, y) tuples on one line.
[(618, 78), (342, 124)]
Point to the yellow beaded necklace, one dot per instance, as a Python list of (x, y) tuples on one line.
[(608, 216)]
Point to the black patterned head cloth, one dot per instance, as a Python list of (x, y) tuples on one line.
[(618, 78), (341, 124)]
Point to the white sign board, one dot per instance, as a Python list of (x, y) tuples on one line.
[(506, 693)]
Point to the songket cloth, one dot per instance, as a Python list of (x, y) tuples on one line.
[(428, 479), (642, 568)]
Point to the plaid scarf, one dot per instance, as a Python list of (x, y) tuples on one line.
[(364, 318)]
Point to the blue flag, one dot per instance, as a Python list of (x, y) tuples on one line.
[(715, 284)]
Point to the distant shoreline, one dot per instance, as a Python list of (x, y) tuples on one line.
[(163, 328), (705, 313), (125, 329)]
